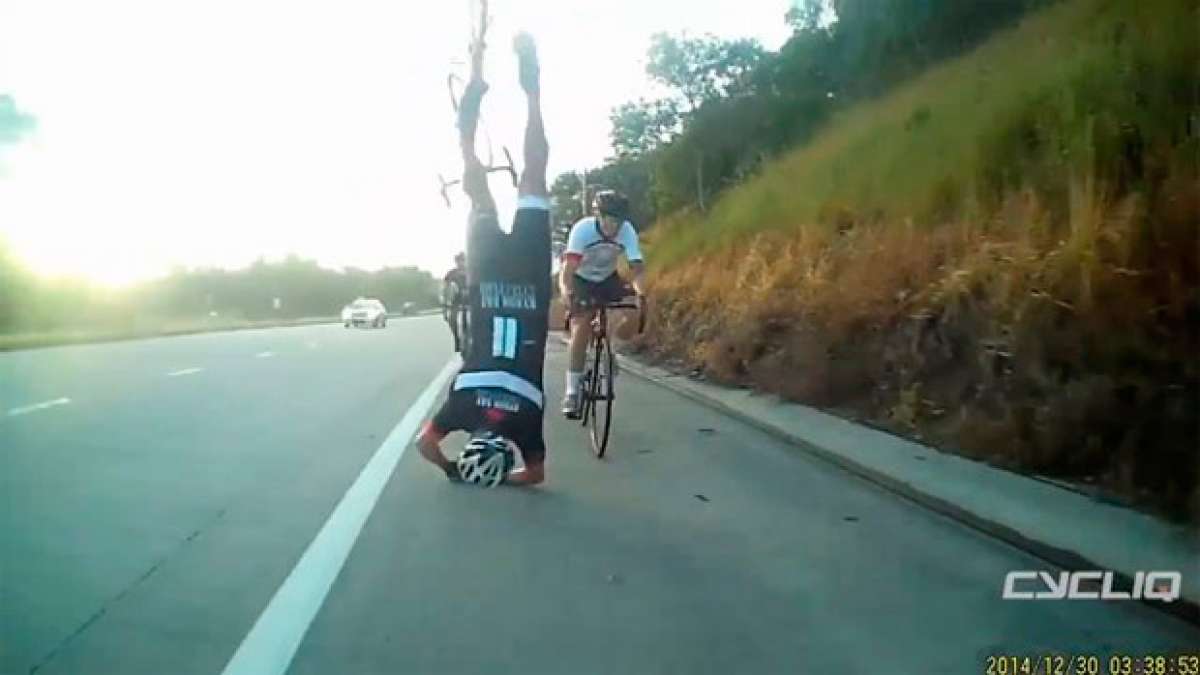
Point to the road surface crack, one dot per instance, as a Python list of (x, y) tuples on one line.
[(120, 595)]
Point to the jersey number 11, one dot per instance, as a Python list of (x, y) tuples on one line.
[(504, 337)]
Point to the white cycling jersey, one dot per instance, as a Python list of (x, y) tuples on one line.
[(597, 254)]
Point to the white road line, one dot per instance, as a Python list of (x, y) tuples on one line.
[(264, 355), (185, 371), (270, 645), (26, 409)]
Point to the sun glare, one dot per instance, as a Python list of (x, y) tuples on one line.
[(215, 157)]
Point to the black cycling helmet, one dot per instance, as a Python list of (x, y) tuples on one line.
[(611, 203)]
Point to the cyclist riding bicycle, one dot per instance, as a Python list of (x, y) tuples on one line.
[(589, 276), (454, 297), (497, 395)]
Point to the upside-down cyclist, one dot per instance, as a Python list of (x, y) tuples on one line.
[(589, 276), (498, 396)]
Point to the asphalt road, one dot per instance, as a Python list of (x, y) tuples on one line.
[(157, 494)]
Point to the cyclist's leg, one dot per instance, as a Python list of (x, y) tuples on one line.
[(474, 180), (531, 226), (536, 147), (580, 338), (581, 323), (483, 229), (452, 319)]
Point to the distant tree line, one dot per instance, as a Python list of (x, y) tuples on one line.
[(29, 302)]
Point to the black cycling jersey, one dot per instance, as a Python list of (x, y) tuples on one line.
[(499, 387), (508, 281), (459, 279)]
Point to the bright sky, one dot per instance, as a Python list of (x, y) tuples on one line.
[(210, 132)]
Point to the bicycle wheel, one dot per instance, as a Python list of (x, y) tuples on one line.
[(602, 396), (585, 398)]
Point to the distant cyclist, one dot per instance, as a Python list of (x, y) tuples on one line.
[(589, 276), (454, 297), (497, 396)]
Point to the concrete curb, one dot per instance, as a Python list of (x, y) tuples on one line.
[(1056, 553)]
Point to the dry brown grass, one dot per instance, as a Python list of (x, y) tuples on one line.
[(1055, 344), (1016, 280)]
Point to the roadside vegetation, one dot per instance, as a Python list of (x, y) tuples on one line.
[(37, 311), (990, 246)]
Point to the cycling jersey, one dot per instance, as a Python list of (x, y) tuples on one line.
[(458, 291), (508, 282), (499, 386), (597, 254)]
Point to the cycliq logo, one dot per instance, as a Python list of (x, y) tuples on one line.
[(1034, 585)]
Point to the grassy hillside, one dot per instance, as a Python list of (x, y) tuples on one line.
[(999, 256)]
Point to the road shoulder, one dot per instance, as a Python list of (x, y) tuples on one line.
[(1065, 528)]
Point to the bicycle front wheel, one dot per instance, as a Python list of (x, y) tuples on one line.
[(602, 396)]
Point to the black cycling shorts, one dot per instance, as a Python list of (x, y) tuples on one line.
[(498, 411), (612, 289)]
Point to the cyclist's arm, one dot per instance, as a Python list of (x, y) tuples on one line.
[(633, 253), (570, 264), (638, 270), (576, 241)]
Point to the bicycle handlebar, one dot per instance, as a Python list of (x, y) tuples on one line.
[(611, 305)]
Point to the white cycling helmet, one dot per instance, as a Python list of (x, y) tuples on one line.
[(486, 460)]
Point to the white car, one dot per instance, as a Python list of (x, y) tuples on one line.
[(367, 312)]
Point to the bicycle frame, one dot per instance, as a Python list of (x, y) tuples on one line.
[(600, 368)]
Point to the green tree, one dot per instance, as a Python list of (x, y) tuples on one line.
[(567, 206), (807, 15), (743, 105), (641, 127), (633, 177), (566, 198), (703, 69)]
